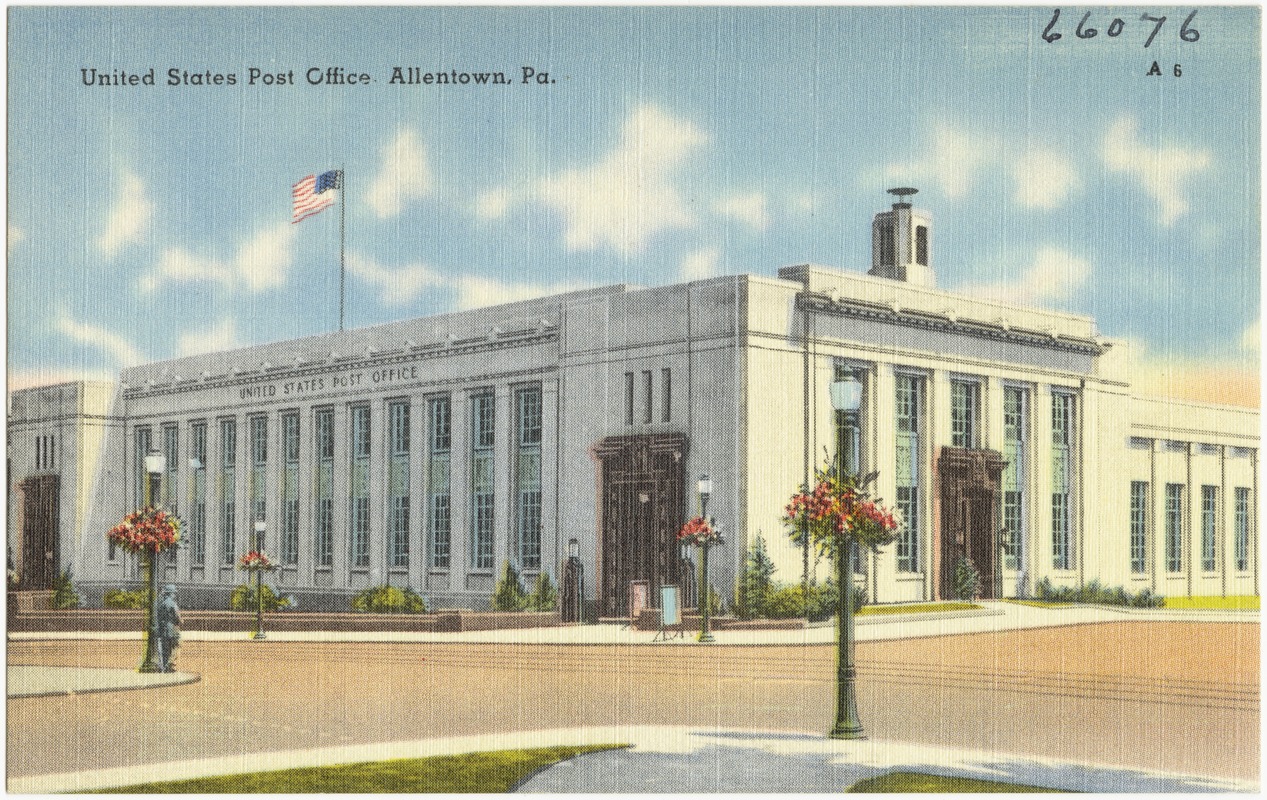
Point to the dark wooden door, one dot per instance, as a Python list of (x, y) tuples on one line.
[(39, 532), (969, 493), (640, 505)]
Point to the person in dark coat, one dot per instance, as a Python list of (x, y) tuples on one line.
[(168, 628)]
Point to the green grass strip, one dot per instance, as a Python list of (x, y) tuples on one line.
[(925, 783), (915, 608), (493, 772), (1235, 603), (1040, 604)]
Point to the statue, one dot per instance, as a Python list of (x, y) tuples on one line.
[(168, 625)]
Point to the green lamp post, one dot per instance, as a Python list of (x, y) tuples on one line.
[(846, 398), (155, 463)]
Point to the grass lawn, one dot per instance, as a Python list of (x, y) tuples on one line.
[(915, 608), (925, 783), (498, 771), (1236, 603), (1040, 603)]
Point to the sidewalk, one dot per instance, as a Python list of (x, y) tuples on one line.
[(995, 616), (676, 759), (24, 681)]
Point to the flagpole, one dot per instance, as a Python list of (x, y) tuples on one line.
[(343, 189)]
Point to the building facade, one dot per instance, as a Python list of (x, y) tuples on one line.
[(430, 452)]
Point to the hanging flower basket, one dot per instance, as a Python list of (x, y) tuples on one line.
[(256, 561), (699, 532), (837, 507), (149, 530)]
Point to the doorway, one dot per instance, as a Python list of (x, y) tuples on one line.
[(969, 483), (39, 557)]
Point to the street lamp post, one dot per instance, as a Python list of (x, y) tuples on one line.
[(846, 397), (705, 488), (260, 528), (154, 466)]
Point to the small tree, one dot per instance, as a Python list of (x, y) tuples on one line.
[(509, 594), (544, 596), (752, 591), (64, 594), (967, 580)]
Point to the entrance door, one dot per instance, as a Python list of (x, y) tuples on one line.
[(640, 511), (969, 494), (39, 532)]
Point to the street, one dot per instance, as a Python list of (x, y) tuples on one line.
[(1166, 696)]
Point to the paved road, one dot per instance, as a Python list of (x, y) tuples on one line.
[(1170, 697)]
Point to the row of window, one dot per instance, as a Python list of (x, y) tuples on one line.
[(45, 452), (398, 498), (1174, 527), (1177, 446), (643, 386)]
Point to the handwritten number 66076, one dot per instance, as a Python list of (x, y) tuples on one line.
[(1186, 32)]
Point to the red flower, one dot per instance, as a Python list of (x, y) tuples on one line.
[(699, 532), (148, 530)]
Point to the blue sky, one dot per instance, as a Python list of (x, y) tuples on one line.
[(148, 222)]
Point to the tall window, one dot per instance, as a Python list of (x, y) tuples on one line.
[(259, 470), (398, 484), (1174, 527), (909, 402), (965, 409), (921, 245), (142, 438), (198, 495), (1209, 513), (1241, 533), (359, 489), (439, 444), (290, 488), (171, 465), (629, 398), (228, 490), (1062, 462), (648, 405), (1015, 400), (528, 476), (666, 395), (323, 494), (888, 245), (482, 481), (1139, 526)]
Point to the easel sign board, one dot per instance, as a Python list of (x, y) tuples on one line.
[(670, 612), (639, 594)]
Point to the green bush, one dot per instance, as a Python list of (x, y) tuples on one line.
[(388, 600), (64, 594), (124, 598), (1097, 593), (243, 599), (788, 601), (753, 589), (544, 596), (509, 594), (967, 581)]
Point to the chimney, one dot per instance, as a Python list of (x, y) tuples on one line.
[(901, 240)]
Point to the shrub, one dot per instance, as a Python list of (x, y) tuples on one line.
[(124, 598), (1095, 592), (967, 581), (64, 594), (752, 590), (714, 602), (509, 594), (544, 596), (243, 599), (788, 601), (388, 600)]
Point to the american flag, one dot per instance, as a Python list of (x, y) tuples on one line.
[(313, 194)]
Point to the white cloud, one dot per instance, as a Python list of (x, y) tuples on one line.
[(16, 235), (493, 204), (403, 175), (475, 292), (129, 216), (1161, 170), (1228, 378), (120, 350), (397, 287), (700, 264), (747, 208), (1044, 179), (260, 263), (629, 196), (952, 165), (1053, 275), (222, 336)]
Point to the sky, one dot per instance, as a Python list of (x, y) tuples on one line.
[(665, 144)]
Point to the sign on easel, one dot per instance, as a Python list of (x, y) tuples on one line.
[(670, 613)]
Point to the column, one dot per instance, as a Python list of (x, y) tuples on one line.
[(460, 491), (881, 433), (342, 473), (379, 569), (504, 521), (553, 542)]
